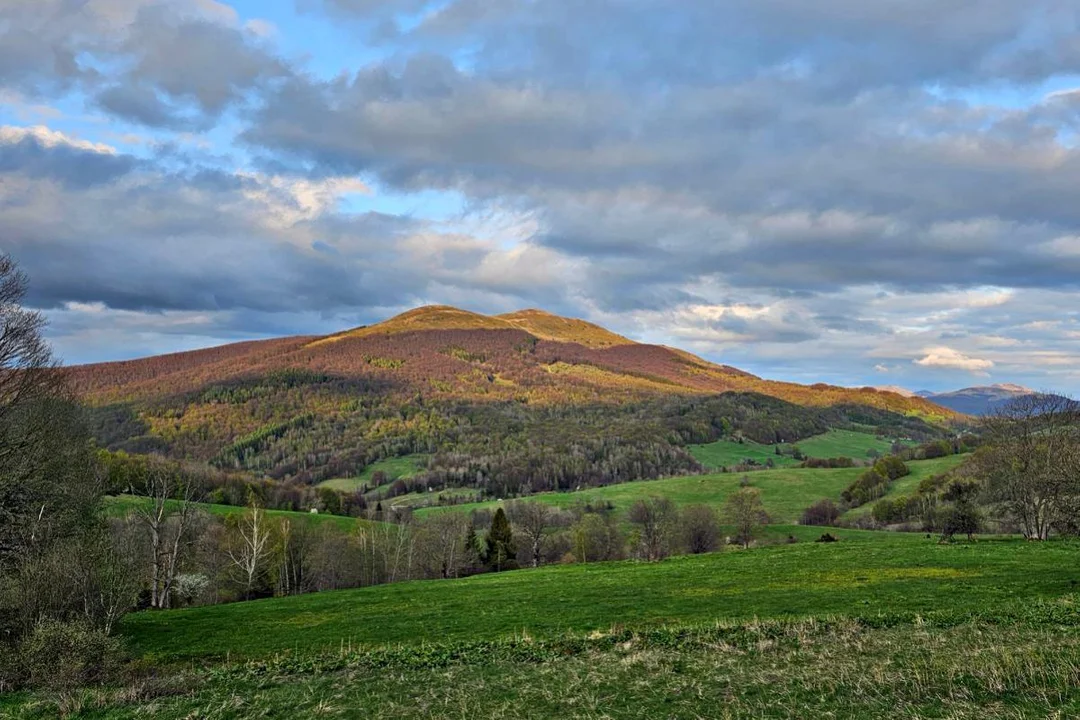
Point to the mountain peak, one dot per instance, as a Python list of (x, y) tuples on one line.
[(1013, 388), (548, 326), (538, 323), (903, 392)]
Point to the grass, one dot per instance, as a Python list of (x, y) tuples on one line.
[(728, 453), (835, 443), (123, 505), (399, 467), (785, 492), (843, 669), (895, 573)]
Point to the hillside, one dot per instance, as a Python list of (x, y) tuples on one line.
[(444, 351), (521, 402)]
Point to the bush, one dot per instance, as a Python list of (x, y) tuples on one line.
[(65, 655), (823, 512), (828, 538)]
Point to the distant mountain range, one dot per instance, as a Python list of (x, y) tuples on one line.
[(981, 400)]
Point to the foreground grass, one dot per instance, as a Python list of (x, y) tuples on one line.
[(785, 492), (1021, 661), (893, 574)]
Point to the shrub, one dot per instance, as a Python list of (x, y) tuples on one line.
[(828, 538), (823, 512), (65, 655), (188, 588)]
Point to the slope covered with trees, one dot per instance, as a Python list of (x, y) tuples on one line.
[(512, 404)]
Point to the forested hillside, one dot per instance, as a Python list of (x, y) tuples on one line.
[(511, 404)]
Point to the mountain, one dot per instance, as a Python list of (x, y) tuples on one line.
[(523, 398), (902, 392), (981, 400)]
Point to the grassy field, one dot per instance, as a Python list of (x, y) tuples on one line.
[(879, 625), (1025, 666), (785, 492), (122, 505), (895, 573), (399, 467), (835, 443)]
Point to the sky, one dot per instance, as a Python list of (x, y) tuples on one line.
[(860, 193)]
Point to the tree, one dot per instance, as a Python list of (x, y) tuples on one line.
[(29, 376), (1030, 461), (655, 519), (250, 546), (596, 538), (169, 518), (50, 483), (701, 528), (744, 510), (501, 549), (441, 548), (823, 512), (962, 518), (532, 519)]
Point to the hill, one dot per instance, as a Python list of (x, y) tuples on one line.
[(978, 401), (522, 402)]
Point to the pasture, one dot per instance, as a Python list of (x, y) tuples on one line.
[(785, 492), (889, 574), (394, 468), (835, 443)]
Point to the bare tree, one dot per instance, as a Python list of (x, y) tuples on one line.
[(250, 549), (700, 528), (1030, 462), (109, 573), (532, 519), (655, 519), (744, 510), (28, 372), (169, 517), (440, 544), (597, 538)]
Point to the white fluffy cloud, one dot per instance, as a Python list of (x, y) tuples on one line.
[(946, 357)]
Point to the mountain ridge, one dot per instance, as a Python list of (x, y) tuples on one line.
[(587, 354), (980, 399)]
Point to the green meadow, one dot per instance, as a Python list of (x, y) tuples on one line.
[(835, 443), (398, 467), (892, 574), (785, 492)]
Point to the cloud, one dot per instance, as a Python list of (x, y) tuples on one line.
[(161, 63), (808, 189), (945, 357)]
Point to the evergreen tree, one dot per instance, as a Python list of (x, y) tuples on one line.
[(501, 551), (474, 550)]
